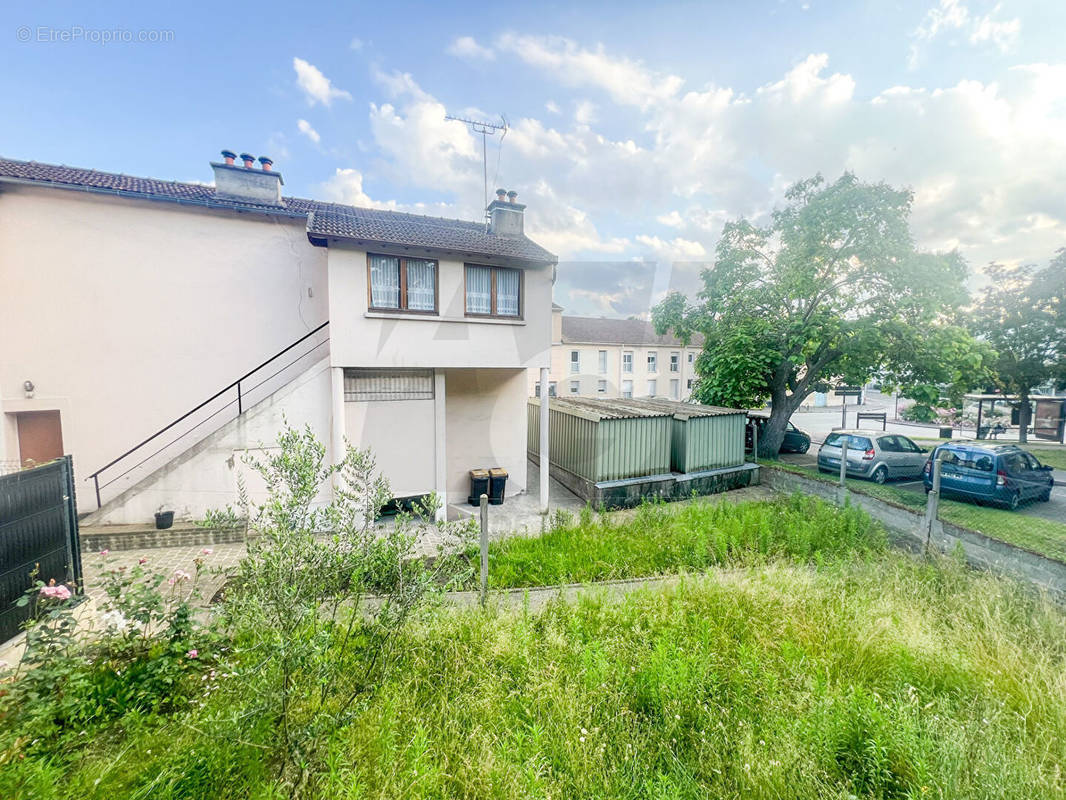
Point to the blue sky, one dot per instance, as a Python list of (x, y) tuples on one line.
[(636, 129)]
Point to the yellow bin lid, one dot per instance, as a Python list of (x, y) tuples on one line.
[(479, 473), (496, 472)]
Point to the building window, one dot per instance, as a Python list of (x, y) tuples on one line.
[(493, 291), (653, 361), (575, 387), (691, 357), (651, 388), (689, 384), (675, 362), (402, 284), (627, 389), (601, 387), (675, 388), (603, 362), (363, 385), (627, 361), (551, 389), (575, 361)]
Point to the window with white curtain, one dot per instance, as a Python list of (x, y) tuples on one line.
[(384, 282), (627, 361), (575, 361), (421, 285), (478, 290), (402, 284), (651, 388), (493, 291), (603, 362), (627, 389)]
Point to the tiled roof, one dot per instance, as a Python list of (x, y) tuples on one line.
[(597, 330), (330, 220)]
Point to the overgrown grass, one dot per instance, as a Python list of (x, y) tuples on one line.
[(1044, 536), (677, 537), (882, 679)]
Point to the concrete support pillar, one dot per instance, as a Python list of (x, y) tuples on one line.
[(544, 454), (336, 426), (440, 454)]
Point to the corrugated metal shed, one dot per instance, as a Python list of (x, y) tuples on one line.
[(601, 440), (608, 439)]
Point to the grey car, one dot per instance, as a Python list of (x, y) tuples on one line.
[(879, 457)]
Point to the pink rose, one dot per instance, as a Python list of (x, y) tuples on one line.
[(59, 592), (105, 552), (192, 653)]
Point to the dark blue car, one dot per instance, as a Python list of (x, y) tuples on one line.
[(1002, 474)]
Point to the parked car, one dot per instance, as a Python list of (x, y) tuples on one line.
[(1003, 474), (878, 457), (795, 441)]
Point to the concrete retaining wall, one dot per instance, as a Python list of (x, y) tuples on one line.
[(911, 530)]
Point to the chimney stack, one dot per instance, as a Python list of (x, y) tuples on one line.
[(247, 184), (506, 214)]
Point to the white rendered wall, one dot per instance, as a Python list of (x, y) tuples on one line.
[(127, 313)]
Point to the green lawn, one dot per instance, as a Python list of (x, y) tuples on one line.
[(886, 678), (1043, 536), (679, 537)]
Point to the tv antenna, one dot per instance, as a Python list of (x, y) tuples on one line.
[(486, 129)]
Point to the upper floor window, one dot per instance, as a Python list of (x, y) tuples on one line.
[(653, 361), (691, 356), (627, 361), (402, 284), (575, 361), (493, 291), (675, 362), (603, 362)]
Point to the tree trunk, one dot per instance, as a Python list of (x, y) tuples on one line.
[(1024, 416), (773, 433)]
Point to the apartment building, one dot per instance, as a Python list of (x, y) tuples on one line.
[(161, 332), (598, 357)]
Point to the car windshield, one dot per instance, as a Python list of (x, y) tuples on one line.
[(854, 442)]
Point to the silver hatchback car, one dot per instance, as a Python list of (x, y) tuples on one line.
[(878, 457)]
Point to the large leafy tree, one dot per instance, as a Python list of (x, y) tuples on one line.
[(831, 291), (1022, 315)]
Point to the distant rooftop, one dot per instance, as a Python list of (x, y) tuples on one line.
[(624, 408), (324, 220), (597, 330)]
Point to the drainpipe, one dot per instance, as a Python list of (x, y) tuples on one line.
[(336, 437), (544, 455)]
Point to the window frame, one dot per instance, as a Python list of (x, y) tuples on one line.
[(575, 386), (675, 361), (493, 313), (601, 386), (575, 362), (601, 361), (653, 362), (627, 365), (403, 309), (653, 387)]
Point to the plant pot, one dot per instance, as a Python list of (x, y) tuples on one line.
[(163, 520)]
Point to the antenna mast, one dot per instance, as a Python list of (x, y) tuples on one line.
[(486, 129)]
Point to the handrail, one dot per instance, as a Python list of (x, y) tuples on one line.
[(240, 408)]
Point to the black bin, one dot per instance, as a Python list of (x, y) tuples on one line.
[(479, 485), (497, 482)]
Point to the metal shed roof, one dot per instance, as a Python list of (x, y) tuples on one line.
[(622, 408)]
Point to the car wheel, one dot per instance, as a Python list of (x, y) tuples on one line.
[(1046, 496), (804, 447), (880, 475), (1014, 501)]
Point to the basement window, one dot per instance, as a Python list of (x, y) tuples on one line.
[(364, 385)]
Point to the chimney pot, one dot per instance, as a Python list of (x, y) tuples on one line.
[(248, 159), (229, 155), (266, 162), (512, 196), (506, 214), (500, 194)]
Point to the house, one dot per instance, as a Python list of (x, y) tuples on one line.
[(617, 358), (160, 332)]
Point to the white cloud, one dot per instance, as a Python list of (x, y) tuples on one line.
[(584, 112), (316, 86), (953, 16), (627, 82), (552, 108), (306, 129), (986, 161), (467, 47), (356, 44)]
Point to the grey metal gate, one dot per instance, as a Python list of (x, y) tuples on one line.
[(38, 531)]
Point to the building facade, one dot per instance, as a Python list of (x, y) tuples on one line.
[(126, 303), (607, 358)]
